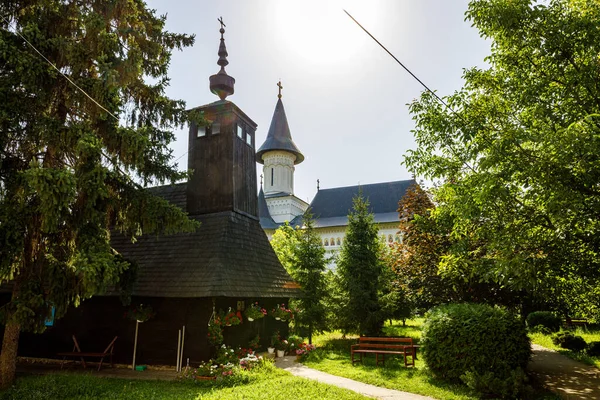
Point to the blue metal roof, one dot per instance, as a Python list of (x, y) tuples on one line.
[(332, 206)]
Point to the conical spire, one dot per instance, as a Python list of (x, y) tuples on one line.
[(279, 136), (221, 84)]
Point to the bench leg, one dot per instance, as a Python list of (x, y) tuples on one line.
[(100, 365), (83, 363)]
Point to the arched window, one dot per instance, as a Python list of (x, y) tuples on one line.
[(332, 241), (337, 241), (326, 242), (397, 238), (390, 238)]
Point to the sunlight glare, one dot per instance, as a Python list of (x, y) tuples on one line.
[(319, 32)]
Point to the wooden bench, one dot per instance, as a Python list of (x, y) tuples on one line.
[(77, 353), (572, 322), (382, 346)]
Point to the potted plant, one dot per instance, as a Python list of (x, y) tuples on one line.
[(232, 318), (282, 313), (215, 331), (294, 343), (140, 313), (255, 312), (274, 340), (281, 347)]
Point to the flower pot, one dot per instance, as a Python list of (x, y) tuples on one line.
[(280, 353), (271, 350), (277, 318), (250, 319), (298, 357)]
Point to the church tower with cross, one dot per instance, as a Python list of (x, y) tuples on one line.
[(279, 156)]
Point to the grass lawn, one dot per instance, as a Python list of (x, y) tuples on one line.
[(333, 356), (262, 383), (588, 334)]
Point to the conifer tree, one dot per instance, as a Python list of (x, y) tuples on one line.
[(67, 152), (309, 272), (360, 271)]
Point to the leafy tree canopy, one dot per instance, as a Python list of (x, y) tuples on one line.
[(519, 157), (66, 160)]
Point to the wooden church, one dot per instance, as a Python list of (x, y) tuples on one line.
[(227, 263)]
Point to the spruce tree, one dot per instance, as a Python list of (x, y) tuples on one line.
[(309, 272), (360, 271), (69, 146)]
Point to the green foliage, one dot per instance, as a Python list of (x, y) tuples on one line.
[(360, 272), (308, 270), (546, 319), (569, 341), (461, 341), (517, 160), (66, 162), (593, 349), (285, 241)]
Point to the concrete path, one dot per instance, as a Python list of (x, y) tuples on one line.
[(289, 364), (570, 379)]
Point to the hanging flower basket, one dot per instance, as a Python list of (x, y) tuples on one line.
[(255, 312), (215, 331), (140, 313), (232, 318), (282, 313)]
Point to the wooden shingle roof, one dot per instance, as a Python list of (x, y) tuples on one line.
[(229, 255)]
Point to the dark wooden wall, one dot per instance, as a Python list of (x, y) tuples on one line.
[(100, 319), (224, 165)]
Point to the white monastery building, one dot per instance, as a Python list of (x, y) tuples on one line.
[(330, 207)]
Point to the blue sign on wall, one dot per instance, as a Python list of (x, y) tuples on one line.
[(50, 319)]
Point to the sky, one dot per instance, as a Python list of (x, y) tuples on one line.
[(344, 97)]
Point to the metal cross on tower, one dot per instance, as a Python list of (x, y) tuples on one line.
[(280, 87)]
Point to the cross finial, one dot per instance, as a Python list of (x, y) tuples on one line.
[(280, 87), (261, 178), (318, 185), (220, 19)]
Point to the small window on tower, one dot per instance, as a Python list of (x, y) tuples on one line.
[(249, 138), (240, 131), (215, 128), (201, 131)]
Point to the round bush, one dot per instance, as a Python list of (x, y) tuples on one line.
[(546, 319), (593, 349), (568, 341), (479, 345)]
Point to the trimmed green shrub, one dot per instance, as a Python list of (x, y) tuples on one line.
[(546, 319), (485, 347), (568, 341), (593, 349)]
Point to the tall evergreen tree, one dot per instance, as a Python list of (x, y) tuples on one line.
[(309, 272), (65, 159), (360, 271)]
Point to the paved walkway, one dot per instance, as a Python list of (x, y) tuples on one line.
[(297, 369), (570, 379)]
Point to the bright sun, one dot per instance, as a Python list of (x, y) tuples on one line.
[(320, 32)]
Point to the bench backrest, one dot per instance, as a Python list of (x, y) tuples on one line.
[(384, 342)]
